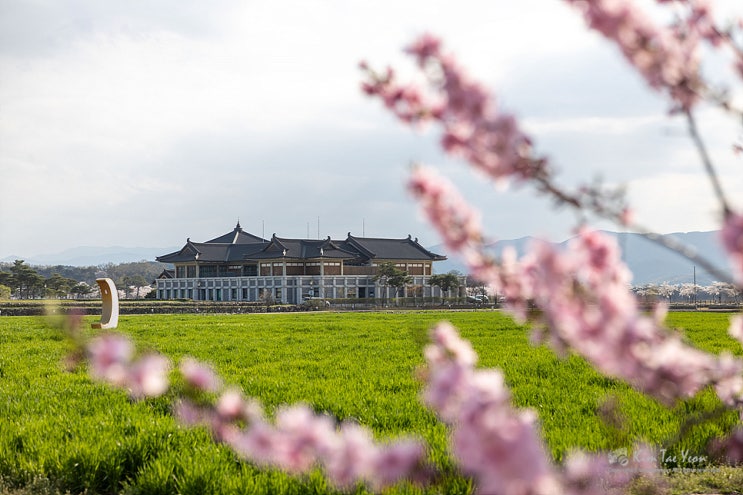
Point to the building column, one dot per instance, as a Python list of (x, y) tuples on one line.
[(283, 282), (322, 279)]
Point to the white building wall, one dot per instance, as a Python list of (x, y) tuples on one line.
[(293, 289)]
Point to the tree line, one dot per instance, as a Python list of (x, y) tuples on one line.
[(715, 293), (388, 275), (22, 281)]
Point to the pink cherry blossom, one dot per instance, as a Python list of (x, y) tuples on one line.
[(188, 413), (304, 436), (397, 461), (408, 103), (736, 328), (586, 474), (496, 444), (258, 442), (424, 47), (492, 442), (230, 404), (300, 440), (474, 128), (351, 457), (730, 448), (109, 356), (456, 222), (586, 305), (732, 241), (111, 361), (728, 374), (148, 376), (668, 58), (199, 375)]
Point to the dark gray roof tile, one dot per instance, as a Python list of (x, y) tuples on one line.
[(241, 246)]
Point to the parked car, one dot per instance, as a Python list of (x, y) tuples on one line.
[(480, 299)]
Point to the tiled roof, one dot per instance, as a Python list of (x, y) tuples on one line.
[(393, 249), (237, 236), (188, 252), (241, 246)]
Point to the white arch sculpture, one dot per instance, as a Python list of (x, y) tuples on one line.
[(110, 297)]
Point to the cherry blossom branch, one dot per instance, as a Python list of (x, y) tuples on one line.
[(694, 421), (689, 253), (496, 444), (730, 447), (700, 20), (707, 162), (298, 441), (666, 57), (732, 241), (492, 142), (585, 302)]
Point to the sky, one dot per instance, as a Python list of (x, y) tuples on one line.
[(143, 123)]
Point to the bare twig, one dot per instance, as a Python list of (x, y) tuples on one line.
[(707, 162), (615, 215), (696, 420)]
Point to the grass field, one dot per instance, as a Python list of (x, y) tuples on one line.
[(60, 431)]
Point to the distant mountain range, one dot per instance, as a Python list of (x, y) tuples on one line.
[(649, 262), (93, 256)]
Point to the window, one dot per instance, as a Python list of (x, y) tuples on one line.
[(208, 271)]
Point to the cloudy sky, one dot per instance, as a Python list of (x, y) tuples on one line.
[(141, 123)]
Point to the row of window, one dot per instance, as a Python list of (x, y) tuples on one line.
[(212, 271), (257, 282), (276, 293)]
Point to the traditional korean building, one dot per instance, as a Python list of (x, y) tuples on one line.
[(239, 266)]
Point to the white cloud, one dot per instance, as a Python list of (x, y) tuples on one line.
[(676, 202), (136, 123)]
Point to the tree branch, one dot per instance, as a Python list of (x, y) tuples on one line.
[(708, 166)]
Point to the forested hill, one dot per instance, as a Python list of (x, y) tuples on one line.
[(649, 262)]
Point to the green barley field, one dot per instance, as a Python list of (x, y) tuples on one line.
[(61, 432)]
